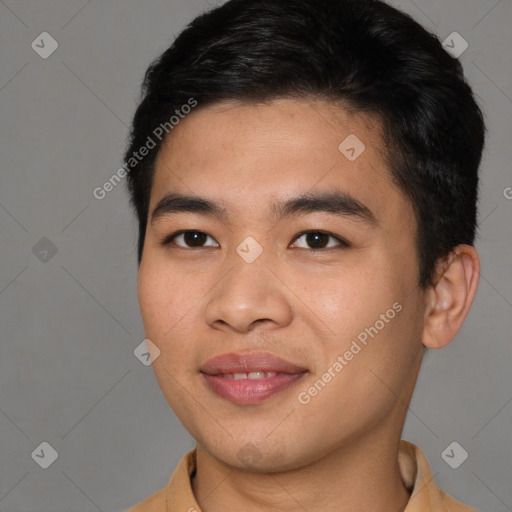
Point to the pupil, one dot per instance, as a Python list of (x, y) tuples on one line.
[(194, 237), (315, 239)]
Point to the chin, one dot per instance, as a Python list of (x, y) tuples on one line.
[(259, 456)]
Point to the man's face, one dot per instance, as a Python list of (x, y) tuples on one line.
[(342, 306)]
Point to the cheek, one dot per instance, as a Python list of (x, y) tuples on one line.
[(162, 296), (163, 307), (349, 299), (373, 314), (152, 300), (372, 380), (169, 306)]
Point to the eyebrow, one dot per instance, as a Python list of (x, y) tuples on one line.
[(336, 203)]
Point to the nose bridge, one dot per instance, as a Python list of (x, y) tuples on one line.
[(249, 293)]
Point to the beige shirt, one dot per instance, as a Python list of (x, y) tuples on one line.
[(178, 496)]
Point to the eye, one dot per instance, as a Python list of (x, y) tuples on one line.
[(196, 239), (188, 239), (320, 240)]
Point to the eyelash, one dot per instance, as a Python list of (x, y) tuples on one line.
[(167, 240)]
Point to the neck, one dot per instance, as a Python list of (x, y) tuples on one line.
[(362, 475)]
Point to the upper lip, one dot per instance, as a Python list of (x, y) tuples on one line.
[(246, 363)]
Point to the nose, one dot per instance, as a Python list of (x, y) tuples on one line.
[(249, 295)]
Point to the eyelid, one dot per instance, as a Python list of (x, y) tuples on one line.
[(342, 243), (167, 240)]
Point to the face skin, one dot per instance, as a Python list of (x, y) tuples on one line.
[(304, 304)]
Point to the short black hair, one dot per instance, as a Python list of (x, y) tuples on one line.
[(365, 53)]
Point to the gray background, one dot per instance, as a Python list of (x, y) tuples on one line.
[(69, 325)]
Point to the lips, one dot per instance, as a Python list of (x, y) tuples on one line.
[(246, 379), (248, 363)]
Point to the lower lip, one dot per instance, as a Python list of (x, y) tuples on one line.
[(250, 391)]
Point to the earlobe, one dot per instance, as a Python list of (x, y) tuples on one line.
[(450, 298)]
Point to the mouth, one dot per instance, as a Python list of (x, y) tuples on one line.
[(250, 376), (246, 379)]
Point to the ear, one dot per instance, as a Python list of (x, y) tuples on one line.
[(448, 301)]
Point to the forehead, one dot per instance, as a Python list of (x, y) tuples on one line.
[(251, 155)]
